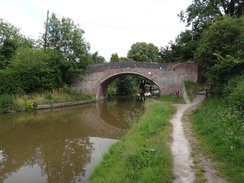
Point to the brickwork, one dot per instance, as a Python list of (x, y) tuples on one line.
[(168, 77)]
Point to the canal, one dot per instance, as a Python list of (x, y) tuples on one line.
[(62, 145)]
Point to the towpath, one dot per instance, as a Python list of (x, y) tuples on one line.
[(181, 149)]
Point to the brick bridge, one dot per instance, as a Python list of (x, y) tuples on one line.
[(168, 77)]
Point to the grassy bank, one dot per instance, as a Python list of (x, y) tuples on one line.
[(143, 155), (172, 99), (220, 132), (17, 102)]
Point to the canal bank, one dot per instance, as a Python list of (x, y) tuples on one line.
[(143, 155), (57, 98), (157, 149)]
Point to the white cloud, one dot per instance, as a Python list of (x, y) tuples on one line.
[(111, 26)]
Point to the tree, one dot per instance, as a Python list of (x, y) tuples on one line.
[(125, 85), (67, 38), (10, 40), (226, 69), (7, 30), (7, 51), (182, 50), (224, 37), (202, 12), (142, 51), (114, 57), (97, 59), (124, 59)]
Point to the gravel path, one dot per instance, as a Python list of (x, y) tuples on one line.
[(180, 147)]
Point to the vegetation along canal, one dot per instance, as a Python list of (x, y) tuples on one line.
[(61, 145)]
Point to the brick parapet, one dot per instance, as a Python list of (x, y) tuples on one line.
[(167, 76)]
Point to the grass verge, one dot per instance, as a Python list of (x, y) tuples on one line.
[(171, 99), (220, 132), (14, 103), (143, 155)]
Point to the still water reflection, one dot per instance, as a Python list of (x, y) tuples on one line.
[(61, 145)]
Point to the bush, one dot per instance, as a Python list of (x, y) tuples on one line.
[(236, 97), (7, 104), (222, 72), (9, 82), (29, 106)]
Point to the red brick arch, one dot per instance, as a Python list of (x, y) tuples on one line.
[(168, 77)]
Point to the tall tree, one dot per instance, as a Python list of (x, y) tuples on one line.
[(202, 12), (142, 51), (182, 50), (67, 38), (9, 31), (10, 40), (224, 37)]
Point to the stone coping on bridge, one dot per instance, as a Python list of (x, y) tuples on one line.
[(135, 64)]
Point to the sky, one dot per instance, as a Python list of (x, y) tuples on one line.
[(111, 26)]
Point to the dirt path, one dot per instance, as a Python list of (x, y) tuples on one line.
[(184, 143), (180, 147)]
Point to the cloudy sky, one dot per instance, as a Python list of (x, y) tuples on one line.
[(111, 26)]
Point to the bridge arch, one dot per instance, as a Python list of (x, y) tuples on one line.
[(103, 84), (168, 77)]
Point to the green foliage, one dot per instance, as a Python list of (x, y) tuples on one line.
[(182, 50), (10, 83), (10, 40), (143, 154), (114, 57), (34, 72), (220, 131), (48, 96), (143, 52), (67, 38), (223, 38), (8, 31), (111, 91), (31, 70), (29, 106), (7, 51), (191, 89), (97, 59), (7, 104), (220, 73), (77, 95), (235, 92), (201, 12), (125, 85)]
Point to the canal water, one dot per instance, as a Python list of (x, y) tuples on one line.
[(62, 145)]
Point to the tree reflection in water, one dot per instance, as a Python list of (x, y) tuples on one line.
[(57, 141)]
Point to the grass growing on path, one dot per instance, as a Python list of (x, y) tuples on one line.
[(143, 154), (220, 131)]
